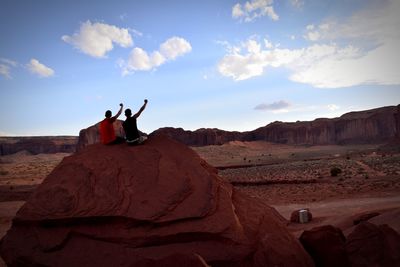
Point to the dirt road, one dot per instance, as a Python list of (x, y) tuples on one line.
[(340, 213)]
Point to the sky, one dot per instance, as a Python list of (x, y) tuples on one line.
[(233, 65)]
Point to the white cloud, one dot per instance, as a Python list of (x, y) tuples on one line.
[(332, 107), (174, 47), (97, 39), (281, 106), (9, 62), (237, 11), (297, 3), (312, 36), (253, 9), (376, 25), (370, 57), (268, 44), (140, 60), (38, 68), (5, 71)]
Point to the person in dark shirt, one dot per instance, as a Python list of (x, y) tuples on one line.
[(132, 134)]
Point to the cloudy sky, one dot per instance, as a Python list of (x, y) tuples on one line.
[(233, 65)]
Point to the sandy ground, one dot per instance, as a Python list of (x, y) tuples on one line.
[(22, 168), (282, 174), (285, 177)]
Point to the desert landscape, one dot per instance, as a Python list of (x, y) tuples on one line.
[(345, 172), (244, 133), (286, 177)]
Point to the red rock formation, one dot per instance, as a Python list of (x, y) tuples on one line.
[(365, 217), (326, 245), (38, 145), (91, 135), (128, 206), (370, 126), (372, 245), (200, 137)]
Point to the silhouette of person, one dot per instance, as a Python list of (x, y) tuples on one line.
[(132, 134), (107, 133)]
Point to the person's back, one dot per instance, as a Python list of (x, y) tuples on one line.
[(132, 134), (107, 133), (130, 128)]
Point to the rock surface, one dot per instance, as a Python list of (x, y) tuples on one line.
[(326, 245), (372, 245), (38, 145), (142, 206), (369, 126), (91, 135), (201, 137)]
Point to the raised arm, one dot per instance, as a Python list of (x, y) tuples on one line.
[(119, 112), (140, 110)]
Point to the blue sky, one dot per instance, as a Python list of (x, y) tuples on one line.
[(233, 65)]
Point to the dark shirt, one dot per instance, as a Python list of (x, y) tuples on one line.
[(130, 128)]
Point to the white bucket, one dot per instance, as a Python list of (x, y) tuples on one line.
[(303, 216)]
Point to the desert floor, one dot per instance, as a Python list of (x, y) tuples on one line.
[(285, 177)]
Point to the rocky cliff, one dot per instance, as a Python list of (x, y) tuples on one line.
[(371, 126), (200, 137), (38, 145)]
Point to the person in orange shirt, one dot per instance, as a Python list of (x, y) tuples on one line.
[(107, 133)]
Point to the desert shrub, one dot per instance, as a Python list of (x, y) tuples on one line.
[(335, 171)]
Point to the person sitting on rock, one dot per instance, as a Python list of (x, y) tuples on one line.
[(107, 133), (132, 134)]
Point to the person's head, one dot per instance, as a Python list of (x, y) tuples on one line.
[(108, 114), (128, 112)]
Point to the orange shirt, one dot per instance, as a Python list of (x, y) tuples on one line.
[(107, 133)]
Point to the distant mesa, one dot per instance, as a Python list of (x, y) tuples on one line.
[(38, 145), (371, 126), (157, 204)]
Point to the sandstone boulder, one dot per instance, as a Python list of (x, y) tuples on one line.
[(131, 206), (326, 245), (372, 245), (365, 217), (91, 135)]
